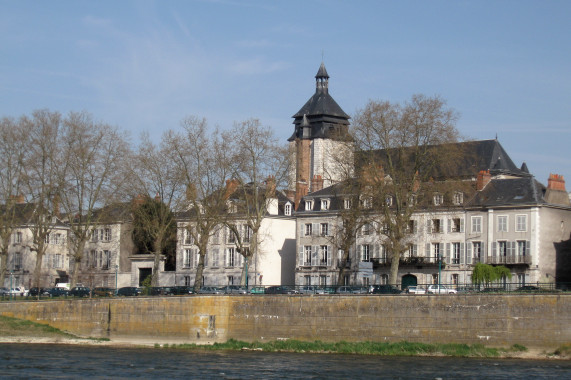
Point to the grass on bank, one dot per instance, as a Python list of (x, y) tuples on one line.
[(363, 348), (22, 328)]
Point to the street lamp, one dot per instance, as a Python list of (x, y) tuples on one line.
[(246, 265), (11, 274), (440, 258)]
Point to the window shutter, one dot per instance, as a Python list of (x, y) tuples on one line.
[(414, 226), (226, 257), (314, 253), (301, 229), (448, 253), (429, 226), (376, 250), (315, 229), (468, 253), (329, 254), (300, 256), (442, 227), (462, 224), (494, 251), (449, 225), (215, 257), (528, 248), (427, 250), (462, 258)]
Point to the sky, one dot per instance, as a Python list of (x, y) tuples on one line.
[(143, 66)]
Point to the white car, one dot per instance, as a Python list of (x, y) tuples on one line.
[(415, 290), (19, 291), (440, 289)]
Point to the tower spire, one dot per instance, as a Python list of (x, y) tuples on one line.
[(321, 79)]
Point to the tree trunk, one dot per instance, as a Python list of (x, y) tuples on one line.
[(393, 274), (77, 257), (3, 266), (156, 262)]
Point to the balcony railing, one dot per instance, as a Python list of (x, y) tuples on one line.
[(509, 260)]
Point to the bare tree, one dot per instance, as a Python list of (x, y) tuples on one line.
[(202, 160), (12, 149), (91, 174), (155, 174), (40, 181), (403, 149), (259, 166)]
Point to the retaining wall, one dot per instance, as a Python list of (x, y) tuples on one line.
[(495, 320)]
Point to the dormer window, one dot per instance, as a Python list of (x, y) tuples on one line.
[(367, 202), (438, 199), (347, 203), (458, 198), (389, 200), (287, 209), (232, 208), (324, 204), (308, 205)]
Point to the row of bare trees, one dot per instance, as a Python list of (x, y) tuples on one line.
[(70, 167)]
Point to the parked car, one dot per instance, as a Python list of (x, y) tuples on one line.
[(57, 292), (258, 290), (182, 290), (280, 289), (415, 290), (210, 290), (235, 289), (42, 291), (19, 291), (531, 289), (80, 291), (4, 291), (492, 290), (351, 290), (129, 291), (103, 292), (384, 289), (440, 289)]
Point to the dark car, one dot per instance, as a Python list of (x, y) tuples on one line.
[(210, 290), (57, 292), (42, 291), (531, 289), (280, 290), (103, 292), (80, 291), (182, 290), (129, 291), (384, 289)]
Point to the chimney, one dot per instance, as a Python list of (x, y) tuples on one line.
[(158, 197), (138, 200), (316, 183), (484, 177), (556, 182), (300, 192), (556, 193), (271, 187), (231, 186)]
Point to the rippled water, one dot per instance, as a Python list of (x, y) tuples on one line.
[(74, 362)]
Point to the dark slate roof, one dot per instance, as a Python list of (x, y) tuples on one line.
[(326, 118), (509, 192), (470, 157)]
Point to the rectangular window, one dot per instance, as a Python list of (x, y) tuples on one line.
[(384, 279), (436, 249), (411, 227), (106, 259), (521, 223), (435, 278), (438, 199), (247, 233), (307, 280), (502, 223), (347, 203), (230, 257), (436, 226), (365, 252), (322, 280), (307, 255), (308, 205), (17, 260), (455, 225), (187, 281), (477, 251), (231, 235), (107, 234), (324, 229), (324, 255), (502, 249), (455, 253), (521, 248), (367, 202), (458, 198), (454, 279), (366, 229), (57, 261), (287, 209), (17, 237), (47, 238), (324, 204), (383, 254), (187, 258), (476, 224), (308, 229)]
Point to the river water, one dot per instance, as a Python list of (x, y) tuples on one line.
[(26, 361)]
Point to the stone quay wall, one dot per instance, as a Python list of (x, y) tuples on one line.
[(541, 320)]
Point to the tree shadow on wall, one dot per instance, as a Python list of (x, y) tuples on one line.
[(563, 264)]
